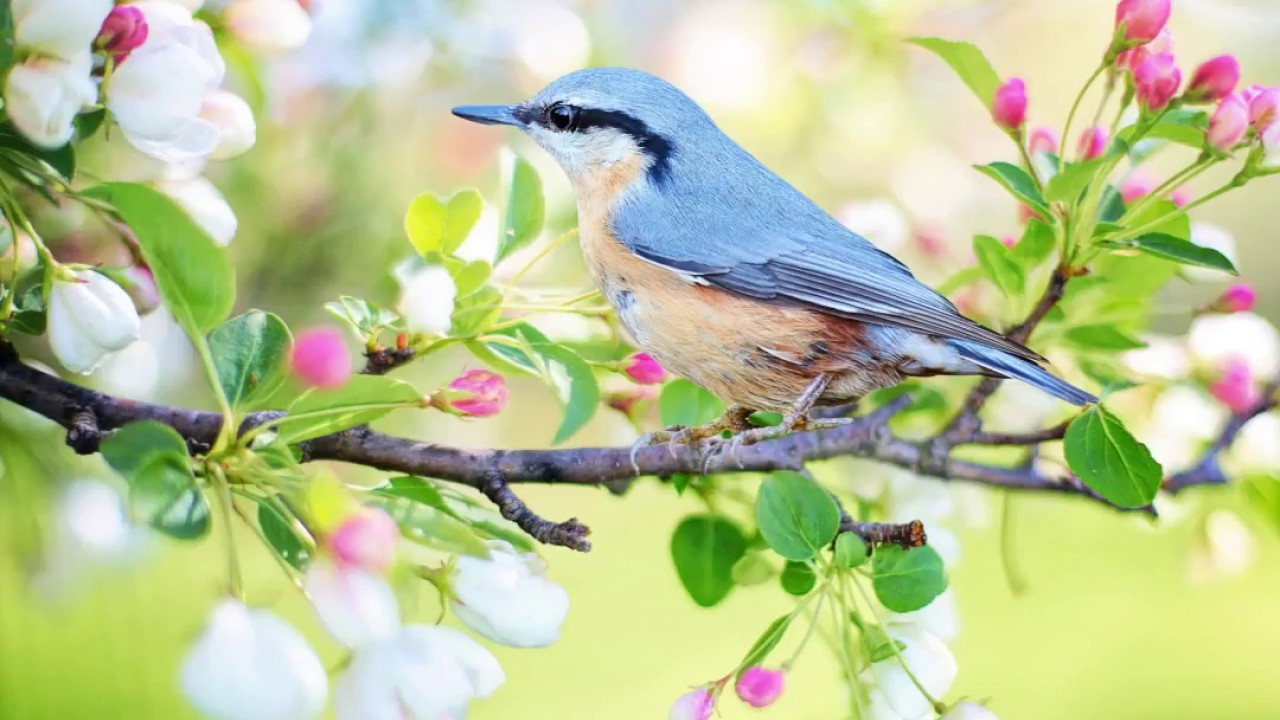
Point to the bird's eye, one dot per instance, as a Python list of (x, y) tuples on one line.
[(562, 117)]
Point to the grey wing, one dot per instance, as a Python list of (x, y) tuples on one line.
[(818, 263)]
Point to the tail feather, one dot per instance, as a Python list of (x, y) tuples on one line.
[(1006, 365)]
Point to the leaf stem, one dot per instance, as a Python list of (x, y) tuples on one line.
[(1200, 165), (551, 246), (1071, 114), (893, 645), (817, 613), (223, 488), (1234, 183)]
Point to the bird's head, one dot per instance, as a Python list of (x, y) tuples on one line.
[(598, 119)]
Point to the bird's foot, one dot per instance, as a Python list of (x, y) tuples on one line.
[(793, 421), (712, 434)]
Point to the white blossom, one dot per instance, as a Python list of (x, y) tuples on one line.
[(1213, 340), (507, 597), (232, 116), (205, 204), (269, 26), (357, 607), (251, 665), (58, 28), (423, 673), (931, 663), (89, 317), (426, 300), (42, 96), (157, 93)]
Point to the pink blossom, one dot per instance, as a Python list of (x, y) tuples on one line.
[(696, 704), (1130, 59), (367, 539), (320, 359), (124, 31), (1042, 140), (642, 368), (1134, 186), (1142, 19), (1236, 388), (1252, 92), (1009, 108), (1092, 142), (759, 687), (1264, 108), (1180, 196), (1214, 80), (1156, 81), (1228, 123), (478, 393), (1239, 297)]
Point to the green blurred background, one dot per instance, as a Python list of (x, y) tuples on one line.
[(1120, 618)]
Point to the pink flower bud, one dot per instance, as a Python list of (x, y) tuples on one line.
[(1134, 186), (1252, 92), (1093, 141), (1228, 123), (1264, 108), (1142, 19), (124, 31), (478, 393), (696, 704), (1130, 59), (1009, 241), (1236, 388), (1042, 141), (366, 540), (628, 401), (1009, 109), (759, 687), (642, 368), (1180, 196), (1156, 81), (320, 358), (1214, 79), (1240, 297)]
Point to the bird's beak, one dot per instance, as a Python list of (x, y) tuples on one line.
[(488, 114)]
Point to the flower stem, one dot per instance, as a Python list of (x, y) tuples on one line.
[(1182, 176), (223, 489), (1071, 114), (551, 246), (893, 645), (817, 614), (1234, 183)]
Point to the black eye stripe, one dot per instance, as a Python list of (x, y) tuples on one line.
[(654, 144)]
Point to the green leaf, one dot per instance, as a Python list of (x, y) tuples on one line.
[(1175, 222), (88, 123), (526, 209), (474, 313), (1068, 185), (30, 316), (1178, 250), (416, 490), (329, 411), (574, 384), (1035, 246), (6, 35), (881, 644), (907, 580), (767, 641), (993, 258), (797, 578), (249, 353), (62, 159), (968, 62), (1102, 337), (362, 315), (1263, 495), (128, 448), (1185, 127), (851, 551), (1102, 453), (275, 528), (959, 279), (1018, 183), (163, 492), (434, 226), (440, 530), (683, 403), (765, 418), (796, 516), (705, 548), (192, 273), (468, 277), (752, 569)]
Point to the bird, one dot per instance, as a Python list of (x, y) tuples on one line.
[(732, 278)]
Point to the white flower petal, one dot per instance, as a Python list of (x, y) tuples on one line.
[(930, 661), (62, 28), (43, 96), (1213, 340), (507, 597), (426, 300), (356, 607), (206, 206), (89, 319)]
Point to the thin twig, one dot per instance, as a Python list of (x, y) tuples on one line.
[(570, 533)]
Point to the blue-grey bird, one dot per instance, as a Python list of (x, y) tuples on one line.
[(727, 274)]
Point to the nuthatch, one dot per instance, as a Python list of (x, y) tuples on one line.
[(727, 274)]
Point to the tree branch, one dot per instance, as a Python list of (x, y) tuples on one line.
[(1209, 470)]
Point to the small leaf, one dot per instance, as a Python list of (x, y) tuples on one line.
[(797, 578), (416, 490), (192, 273), (796, 516), (993, 258), (128, 448), (959, 279), (907, 580), (62, 159), (767, 641), (275, 528), (439, 530), (851, 551), (362, 315), (1171, 220), (467, 276), (765, 418), (330, 411), (1068, 185), (1018, 183), (882, 646), (474, 313), (1035, 246), (163, 492), (1102, 337), (969, 64), (249, 353), (1185, 127), (574, 384), (525, 210), (1178, 250), (435, 226), (1100, 450), (683, 403), (752, 569), (705, 548)]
